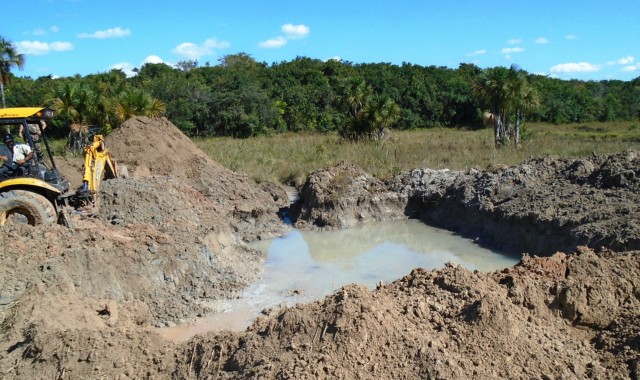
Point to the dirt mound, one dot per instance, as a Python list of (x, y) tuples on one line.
[(195, 191), (444, 324), (156, 147)]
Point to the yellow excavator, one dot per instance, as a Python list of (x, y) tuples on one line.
[(35, 192)]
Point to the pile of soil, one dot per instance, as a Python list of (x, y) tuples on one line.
[(87, 302), (155, 148), (561, 317)]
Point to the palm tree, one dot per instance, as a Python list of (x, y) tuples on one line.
[(383, 113), (525, 100), (357, 94), (9, 58), (136, 102), (508, 94), (493, 86), (110, 83), (72, 102)]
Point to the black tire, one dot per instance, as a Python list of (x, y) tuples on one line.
[(29, 206)]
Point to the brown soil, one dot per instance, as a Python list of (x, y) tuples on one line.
[(86, 302)]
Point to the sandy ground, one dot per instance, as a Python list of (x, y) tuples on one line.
[(86, 302)]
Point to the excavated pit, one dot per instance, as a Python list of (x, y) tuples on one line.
[(539, 207), (170, 241)]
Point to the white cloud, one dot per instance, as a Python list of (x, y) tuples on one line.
[(622, 61), (189, 50), (512, 50), (631, 68), (626, 60), (541, 41), (273, 43), (42, 31), (292, 32), (128, 68), (571, 37), (580, 67), (476, 53), (61, 46), (295, 32), (109, 33), (514, 41), (152, 59), (41, 48)]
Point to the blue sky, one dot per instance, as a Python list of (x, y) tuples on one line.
[(587, 40)]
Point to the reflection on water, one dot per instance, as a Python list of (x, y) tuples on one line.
[(304, 265)]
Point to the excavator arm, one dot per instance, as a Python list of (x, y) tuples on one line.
[(98, 165)]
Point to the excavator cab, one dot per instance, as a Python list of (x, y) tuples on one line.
[(42, 165), (30, 193)]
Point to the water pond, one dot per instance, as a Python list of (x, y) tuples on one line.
[(307, 265)]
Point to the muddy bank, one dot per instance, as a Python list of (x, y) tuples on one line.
[(525, 322), (86, 302), (541, 206)]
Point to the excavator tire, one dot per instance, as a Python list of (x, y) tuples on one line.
[(28, 206)]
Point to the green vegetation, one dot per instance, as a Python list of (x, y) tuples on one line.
[(289, 158), (59, 148), (241, 97)]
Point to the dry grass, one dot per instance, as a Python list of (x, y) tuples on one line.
[(289, 158)]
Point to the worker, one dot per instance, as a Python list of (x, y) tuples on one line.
[(36, 135), (20, 155)]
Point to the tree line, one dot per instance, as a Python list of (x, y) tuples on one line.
[(241, 97)]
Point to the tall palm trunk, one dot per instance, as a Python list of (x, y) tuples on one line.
[(498, 130), (4, 105), (516, 138)]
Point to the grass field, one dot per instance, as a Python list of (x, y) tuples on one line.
[(289, 158)]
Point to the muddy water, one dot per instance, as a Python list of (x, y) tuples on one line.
[(304, 266)]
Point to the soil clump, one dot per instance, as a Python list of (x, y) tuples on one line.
[(86, 302)]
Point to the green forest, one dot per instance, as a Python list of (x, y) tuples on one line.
[(241, 97)]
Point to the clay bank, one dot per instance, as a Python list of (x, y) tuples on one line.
[(171, 240)]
